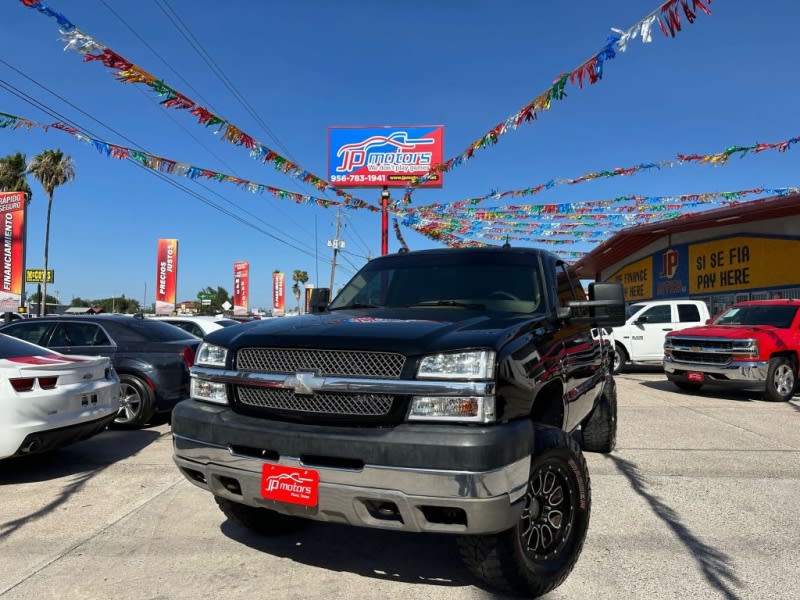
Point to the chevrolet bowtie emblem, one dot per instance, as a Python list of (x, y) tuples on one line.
[(303, 383)]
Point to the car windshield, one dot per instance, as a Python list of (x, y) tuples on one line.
[(494, 282), (155, 331), (775, 316), (633, 309), (226, 322), (12, 348)]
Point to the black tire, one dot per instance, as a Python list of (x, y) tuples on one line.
[(781, 380), (620, 359), (599, 430), (136, 403), (540, 563), (260, 520)]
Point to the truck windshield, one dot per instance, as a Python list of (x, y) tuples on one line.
[(775, 316), (480, 283)]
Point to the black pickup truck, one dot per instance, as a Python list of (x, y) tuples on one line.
[(440, 391)]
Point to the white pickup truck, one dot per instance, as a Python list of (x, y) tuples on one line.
[(641, 339)]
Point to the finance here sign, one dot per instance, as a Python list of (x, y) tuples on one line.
[(373, 157)]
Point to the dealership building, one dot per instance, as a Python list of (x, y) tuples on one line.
[(748, 251)]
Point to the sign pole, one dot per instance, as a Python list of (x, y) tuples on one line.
[(385, 221)]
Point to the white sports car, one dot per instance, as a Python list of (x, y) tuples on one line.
[(49, 400)]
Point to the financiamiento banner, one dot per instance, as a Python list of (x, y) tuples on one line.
[(166, 276), (12, 229), (278, 294), (241, 287)]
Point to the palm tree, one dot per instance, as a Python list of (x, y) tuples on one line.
[(52, 169), (299, 277), (13, 171)]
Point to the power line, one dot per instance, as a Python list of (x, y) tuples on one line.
[(43, 107), (52, 112)]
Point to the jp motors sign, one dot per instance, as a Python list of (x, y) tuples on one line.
[(373, 157)]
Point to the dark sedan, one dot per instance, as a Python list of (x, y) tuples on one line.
[(151, 358)]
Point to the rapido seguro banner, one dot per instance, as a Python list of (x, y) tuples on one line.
[(12, 228), (241, 287), (278, 294)]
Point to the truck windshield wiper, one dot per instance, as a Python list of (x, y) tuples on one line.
[(457, 303)]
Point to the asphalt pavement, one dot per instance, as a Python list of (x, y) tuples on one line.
[(700, 500)]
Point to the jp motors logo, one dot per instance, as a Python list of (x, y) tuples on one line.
[(669, 264), (404, 156)]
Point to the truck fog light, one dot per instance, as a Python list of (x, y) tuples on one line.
[(471, 409), (208, 391)]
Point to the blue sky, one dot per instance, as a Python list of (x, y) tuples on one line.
[(728, 79)]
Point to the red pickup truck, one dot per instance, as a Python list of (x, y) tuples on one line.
[(750, 346)]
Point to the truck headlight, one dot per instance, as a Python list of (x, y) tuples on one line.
[(208, 391), (476, 364), (468, 409), (209, 355)]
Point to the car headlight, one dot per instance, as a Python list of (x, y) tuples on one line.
[(476, 364), (209, 355), (208, 391), (467, 409)]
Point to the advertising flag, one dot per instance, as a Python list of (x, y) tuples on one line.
[(166, 276), (12, 228), (241, 287), (307, 303), (278, 294), (392, 156)]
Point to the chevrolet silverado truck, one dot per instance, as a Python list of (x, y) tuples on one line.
[(640, 341), (750, 346), (440, 391)]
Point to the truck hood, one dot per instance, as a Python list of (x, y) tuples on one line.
[(727, 331), (408, 331)]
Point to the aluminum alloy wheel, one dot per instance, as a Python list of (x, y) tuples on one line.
[(130, 403), (783, 380), (549, 514)]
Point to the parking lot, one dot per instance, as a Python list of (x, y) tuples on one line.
[(698, 501)]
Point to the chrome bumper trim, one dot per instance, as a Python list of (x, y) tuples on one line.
[(346, 384), (735, 371), (489, 499)]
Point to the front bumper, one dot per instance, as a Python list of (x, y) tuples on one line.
[(456, 479), (736, 373)]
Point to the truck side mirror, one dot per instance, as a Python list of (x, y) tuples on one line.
[(606, 304), (320, 297), (641, 320)]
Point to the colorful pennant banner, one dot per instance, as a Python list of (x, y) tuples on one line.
[(715, 159), (173, 167), (668, 17), (128, 72)]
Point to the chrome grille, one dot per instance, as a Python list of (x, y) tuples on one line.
[(706, 358), (371, 405), (347, 363)]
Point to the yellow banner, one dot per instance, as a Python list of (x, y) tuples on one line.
[(637, 279), (743, 263)]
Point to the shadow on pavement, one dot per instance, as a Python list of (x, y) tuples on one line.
[(80, 463), (422, 558), (707, 392), (716, 566), (87, 456)]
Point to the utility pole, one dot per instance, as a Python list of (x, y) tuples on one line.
[(385, 221), (144, 298), (335, 243)]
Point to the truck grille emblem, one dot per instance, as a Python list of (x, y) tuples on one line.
[(304, 383)]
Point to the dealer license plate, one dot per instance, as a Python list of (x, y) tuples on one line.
[(696, 377), (290, 485)]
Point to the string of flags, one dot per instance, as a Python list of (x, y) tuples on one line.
[(668, 18), (714, 159), (126, 71), (173, 167)]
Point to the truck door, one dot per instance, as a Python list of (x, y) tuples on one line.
[(648, 331), (582, 354)]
